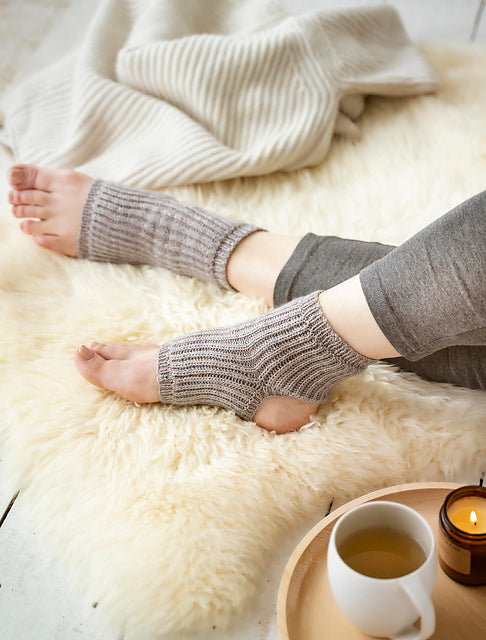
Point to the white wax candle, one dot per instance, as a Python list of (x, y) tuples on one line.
[(468, 514)]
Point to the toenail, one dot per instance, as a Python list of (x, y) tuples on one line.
[(17, 176), (86, 353)]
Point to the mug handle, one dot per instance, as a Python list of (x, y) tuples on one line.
[(422, 602)]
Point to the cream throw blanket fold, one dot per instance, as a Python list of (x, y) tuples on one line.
[(165, 93)]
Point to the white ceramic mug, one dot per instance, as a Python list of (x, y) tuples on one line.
[(385, 607)]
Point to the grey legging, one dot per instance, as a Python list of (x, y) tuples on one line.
[(428, 295)]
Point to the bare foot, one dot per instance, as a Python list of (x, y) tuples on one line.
[(49, 203), (131, 372)]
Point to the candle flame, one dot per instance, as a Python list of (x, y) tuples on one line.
[(473, 517)]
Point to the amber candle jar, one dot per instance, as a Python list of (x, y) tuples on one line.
[(462, 535)]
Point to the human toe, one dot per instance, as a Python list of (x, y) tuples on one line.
[(90, 365), (37, 227), (29, 176), (121, 351), (30, 211), (28, 197), (51, 242)]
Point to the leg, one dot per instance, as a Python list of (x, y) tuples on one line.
[(256, 262), (293, 349), (119, 224), (114, 368), (68, 212), (429, 293), (290, 352), (323, 262), (448, 308)]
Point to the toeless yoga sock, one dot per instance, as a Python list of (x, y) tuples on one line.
[(289, 351), (122, 224)]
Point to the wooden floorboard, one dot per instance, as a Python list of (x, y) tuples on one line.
[(35, 603)]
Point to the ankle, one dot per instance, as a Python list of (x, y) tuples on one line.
[(256, 262), (348, 313)]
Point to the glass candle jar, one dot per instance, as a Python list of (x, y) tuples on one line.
[(462, 535)]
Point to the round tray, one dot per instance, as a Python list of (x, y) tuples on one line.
[(306, 609)]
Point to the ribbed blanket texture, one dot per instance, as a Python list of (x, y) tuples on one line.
[(167, 92)]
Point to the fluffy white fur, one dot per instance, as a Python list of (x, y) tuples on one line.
[(163, 514)]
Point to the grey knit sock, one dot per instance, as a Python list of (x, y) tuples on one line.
[(289, 351), (122, 224)]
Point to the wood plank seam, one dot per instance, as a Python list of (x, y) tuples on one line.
[(7, 510), (477, 20)]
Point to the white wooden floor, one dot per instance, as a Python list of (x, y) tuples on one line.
[(37, 604), (35, 601)]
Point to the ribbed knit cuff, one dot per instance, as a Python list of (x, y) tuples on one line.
[(86, 233), (325, 337), (237, 231), (164, 375)]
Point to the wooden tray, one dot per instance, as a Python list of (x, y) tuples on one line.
[(306, 609)]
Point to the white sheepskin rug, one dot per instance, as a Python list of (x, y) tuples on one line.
[(162, 514)]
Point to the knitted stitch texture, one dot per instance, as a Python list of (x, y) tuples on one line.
[(289, 351), (122, 224), (168, 93)]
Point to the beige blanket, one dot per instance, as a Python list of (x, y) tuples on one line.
[(168, 92)]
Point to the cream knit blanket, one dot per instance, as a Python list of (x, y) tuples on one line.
[(165, 93)]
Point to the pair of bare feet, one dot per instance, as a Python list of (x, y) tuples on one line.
[(49, 205)]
